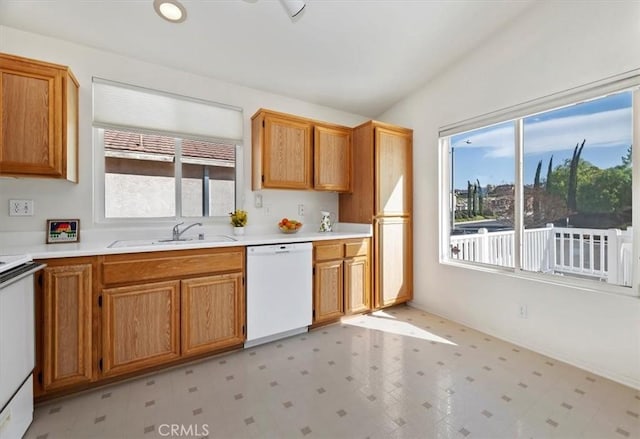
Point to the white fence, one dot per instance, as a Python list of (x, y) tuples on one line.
[(602, 254)]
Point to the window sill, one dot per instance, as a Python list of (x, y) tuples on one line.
[(585, 285)]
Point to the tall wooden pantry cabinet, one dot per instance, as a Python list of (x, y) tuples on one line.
[(383, 195)]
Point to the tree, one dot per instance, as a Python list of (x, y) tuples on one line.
[(548, 181), (469, 199), (536, 193), (626, 159), (606, 191), (603, 196), (480, 199), (474, 198), (572, 186)]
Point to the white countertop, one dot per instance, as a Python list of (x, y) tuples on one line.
[(99, 241)]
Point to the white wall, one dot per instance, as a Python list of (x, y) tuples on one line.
[(61, 199), (554, 46)]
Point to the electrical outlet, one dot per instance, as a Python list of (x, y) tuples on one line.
[(300, 209), (523, 312), (267, 210), (257, 201), (20, 207)]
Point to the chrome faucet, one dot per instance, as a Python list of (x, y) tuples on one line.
[(177, 233)]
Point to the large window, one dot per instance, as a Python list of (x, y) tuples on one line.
[(482, 178), (163, 155), (549, 192)]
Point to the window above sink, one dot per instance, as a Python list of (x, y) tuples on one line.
[(162, 155)]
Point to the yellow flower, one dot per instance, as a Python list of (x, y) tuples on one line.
[(239, 218)]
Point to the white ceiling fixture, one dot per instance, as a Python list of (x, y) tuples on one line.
[(170, 10), (293, 7)]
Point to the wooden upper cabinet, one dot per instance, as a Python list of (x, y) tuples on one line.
[(212, 313), (291, 152), (140, 326), (281, 151), (381, 174), (66, 326), (393, 172), (332, 158), (38, 119)]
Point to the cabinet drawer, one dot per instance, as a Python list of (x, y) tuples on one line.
[(164, 265), (325, 252), (356, 248)]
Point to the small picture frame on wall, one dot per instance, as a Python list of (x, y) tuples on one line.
[(63, 231)]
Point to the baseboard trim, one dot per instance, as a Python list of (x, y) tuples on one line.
[(608, 374)]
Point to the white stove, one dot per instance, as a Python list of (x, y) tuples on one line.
[(7, 262), (17, 344)]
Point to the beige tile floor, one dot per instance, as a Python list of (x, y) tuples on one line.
[(400, 373)]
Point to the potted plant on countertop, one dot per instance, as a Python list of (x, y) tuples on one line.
[(238, 220)]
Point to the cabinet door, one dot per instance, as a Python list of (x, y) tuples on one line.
[(287, 153), (394, 261), (140, 326), (357, 284), (66, 359), (31, 110), (393, 172), (212, 313), (328, 291), (332, 158)]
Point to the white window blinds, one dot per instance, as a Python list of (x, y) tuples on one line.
[(117, 105)]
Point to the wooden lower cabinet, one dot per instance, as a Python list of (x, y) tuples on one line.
[(65, 336), (140, 326), (328, 291), (357, 285), (212, 313), (342, 279), (394, 261)]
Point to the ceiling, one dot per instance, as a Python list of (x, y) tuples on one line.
[(359, 56)]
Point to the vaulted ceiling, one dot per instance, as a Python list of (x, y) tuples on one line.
[(360, 56)]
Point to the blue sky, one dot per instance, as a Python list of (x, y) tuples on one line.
[(487, 154)]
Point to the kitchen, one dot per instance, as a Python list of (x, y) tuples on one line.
[(78, 200)]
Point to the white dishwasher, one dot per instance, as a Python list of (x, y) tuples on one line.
[(279, 291)]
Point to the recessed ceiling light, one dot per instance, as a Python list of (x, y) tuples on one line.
[(170, 10)]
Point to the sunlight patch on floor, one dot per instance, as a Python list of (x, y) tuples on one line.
[(385, 322)]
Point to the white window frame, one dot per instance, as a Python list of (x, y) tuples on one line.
[(626, 81), (99, 187), (228, 120)]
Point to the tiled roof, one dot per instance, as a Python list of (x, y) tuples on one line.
[(154, 144)]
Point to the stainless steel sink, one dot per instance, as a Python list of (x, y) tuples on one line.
[(150, 242)]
